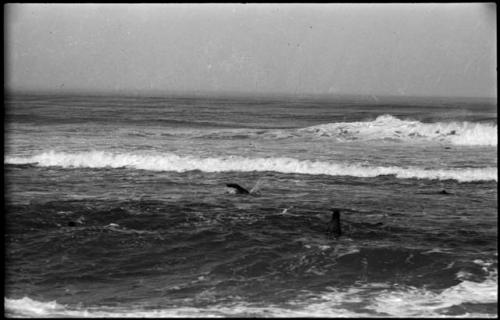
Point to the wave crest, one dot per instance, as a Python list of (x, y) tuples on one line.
[(173, 162), (380, 299), (388, 126)]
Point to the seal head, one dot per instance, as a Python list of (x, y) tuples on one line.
[(334, 224)]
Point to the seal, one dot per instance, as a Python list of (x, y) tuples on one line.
[(333, 227), (239, 189), (76, 222)]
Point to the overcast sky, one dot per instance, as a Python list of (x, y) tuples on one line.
[(374, 49)]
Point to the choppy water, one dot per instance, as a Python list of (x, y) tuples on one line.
[(156, 233)]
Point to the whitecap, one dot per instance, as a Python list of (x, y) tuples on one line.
[(177, 163)]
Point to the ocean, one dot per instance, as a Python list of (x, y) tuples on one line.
[(117, 206)]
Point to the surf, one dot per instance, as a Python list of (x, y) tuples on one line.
[(378, 298), (178, 163), (390, 127)]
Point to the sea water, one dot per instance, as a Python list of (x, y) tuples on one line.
[(117, 206)]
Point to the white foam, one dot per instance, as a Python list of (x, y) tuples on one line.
[(387, 126), (374, 300), (410, 301), (173, 162), (415, 302), (27, 307)]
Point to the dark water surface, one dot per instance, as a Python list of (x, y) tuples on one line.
[(117, 206)]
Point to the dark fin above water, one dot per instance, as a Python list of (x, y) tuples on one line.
[(443, 192), (334, 224), (238, 188)]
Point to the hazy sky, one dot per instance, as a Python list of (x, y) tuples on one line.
[(381, 49)]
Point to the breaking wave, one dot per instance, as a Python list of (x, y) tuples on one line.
[(173, 162), (390, 127), (378, 300)]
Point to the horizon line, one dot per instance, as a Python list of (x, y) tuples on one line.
[(230, 94)]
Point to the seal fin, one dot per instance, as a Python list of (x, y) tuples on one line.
[(238, 188)]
